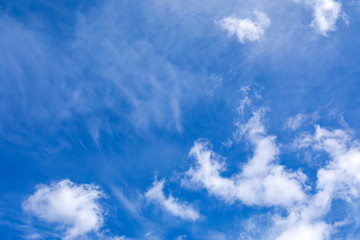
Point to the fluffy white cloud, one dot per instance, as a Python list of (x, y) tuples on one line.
[(74, 208), (261, 182), (246, 29), (326, 13), (171, 204)]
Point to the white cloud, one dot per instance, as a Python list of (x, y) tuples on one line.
[(326, 13), (74, 208), (305, 221), (261, 182), (171, 204), (305, 230), (246, 29), (339, 179)]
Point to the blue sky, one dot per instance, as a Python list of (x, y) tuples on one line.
[(179, 120)]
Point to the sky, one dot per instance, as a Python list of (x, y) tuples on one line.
[(155, 119)]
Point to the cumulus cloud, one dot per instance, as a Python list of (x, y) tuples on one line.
[(325, 14), (74, 208), (261, 182), (171, 204), (246, 29)]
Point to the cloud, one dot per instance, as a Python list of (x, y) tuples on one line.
[(325, 15), (296, 121), (171, 204), (133, 73), (246, 29), (261, 182), (126, 84), (300, 119), (338, 179), (306, 230), (74, 208)]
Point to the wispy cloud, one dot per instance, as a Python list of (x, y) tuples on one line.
[(92, 76), (300, 119), (171, 204)]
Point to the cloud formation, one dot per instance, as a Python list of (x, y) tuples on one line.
[(74, 208), (171, 204), (325, 14), (264, 182), (338, 179), (246, 29), (261, 181)]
